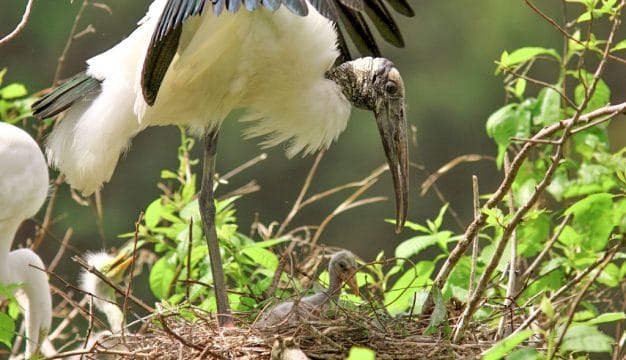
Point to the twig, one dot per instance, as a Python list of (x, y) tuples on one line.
[(189, 245), (531, 269), (351, 202), (305, 187), (607, 257), (20, 26), (61, 251), (68, 43), (579, 297), (244, 166), (564, 32), (506, 183), (47, 219), (248, 188), (512, 283), (519, 214), (475, 249), (449, 166), (127, 293)]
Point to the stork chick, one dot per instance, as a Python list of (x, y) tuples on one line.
[(23, 190), (103, 293), (341, 269)]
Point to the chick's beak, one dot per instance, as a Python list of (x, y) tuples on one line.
[(392, 125), (119, 265), (351, 281)]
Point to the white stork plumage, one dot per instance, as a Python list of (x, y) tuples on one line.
[(192, 62), (23, 190)]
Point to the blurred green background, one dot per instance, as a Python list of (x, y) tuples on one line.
[(448, 68)]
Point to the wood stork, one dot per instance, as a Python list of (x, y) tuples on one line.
[(341, 269), (190, 65), (23, 190)]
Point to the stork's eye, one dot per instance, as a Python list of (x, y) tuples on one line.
[(343, 266), (391, 87)]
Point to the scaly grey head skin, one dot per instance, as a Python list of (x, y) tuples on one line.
[(375, 84)]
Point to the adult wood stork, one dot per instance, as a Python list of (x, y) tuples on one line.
[(341, 270), (191, 65), (23, 190)]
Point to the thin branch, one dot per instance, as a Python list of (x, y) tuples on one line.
[(606, 258), (449, 166), (68, 43), (578, 299), (475, 249), (535, 265), (512, 283), (474, 299), (20, 26), (305, 187), (248, 164)]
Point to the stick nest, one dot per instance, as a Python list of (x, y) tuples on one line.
[(172, 336)]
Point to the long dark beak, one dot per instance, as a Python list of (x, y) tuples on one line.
[(392, 126)]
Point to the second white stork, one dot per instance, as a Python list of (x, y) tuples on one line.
[(23, 190), (193, 62)]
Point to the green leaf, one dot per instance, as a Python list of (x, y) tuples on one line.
[(526, 354), (440, 312), (7, 330), (606, 318), (619, 46), (520, 87), (153, 213), (168, 174), (610, 276), (13, 91), (399, 298), (268, 243), (161, 277), (504, 346), (600, 97), (509, 121), (525, 54), (361, 353), (261, 256), (593, 219), (586, 338), (532, 233), (415, 245), (550, 107)]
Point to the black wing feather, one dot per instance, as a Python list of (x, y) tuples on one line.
[(386, 26), (60, 99), (358, 30), (350, 13), (402, 6)]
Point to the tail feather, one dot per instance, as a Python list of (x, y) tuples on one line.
[(79, 87)]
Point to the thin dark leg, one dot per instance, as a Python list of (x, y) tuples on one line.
[(207, 212)]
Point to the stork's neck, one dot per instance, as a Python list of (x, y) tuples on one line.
[(8, 228), (334, 288)]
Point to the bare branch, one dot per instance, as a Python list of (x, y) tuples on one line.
[(20, 26)]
